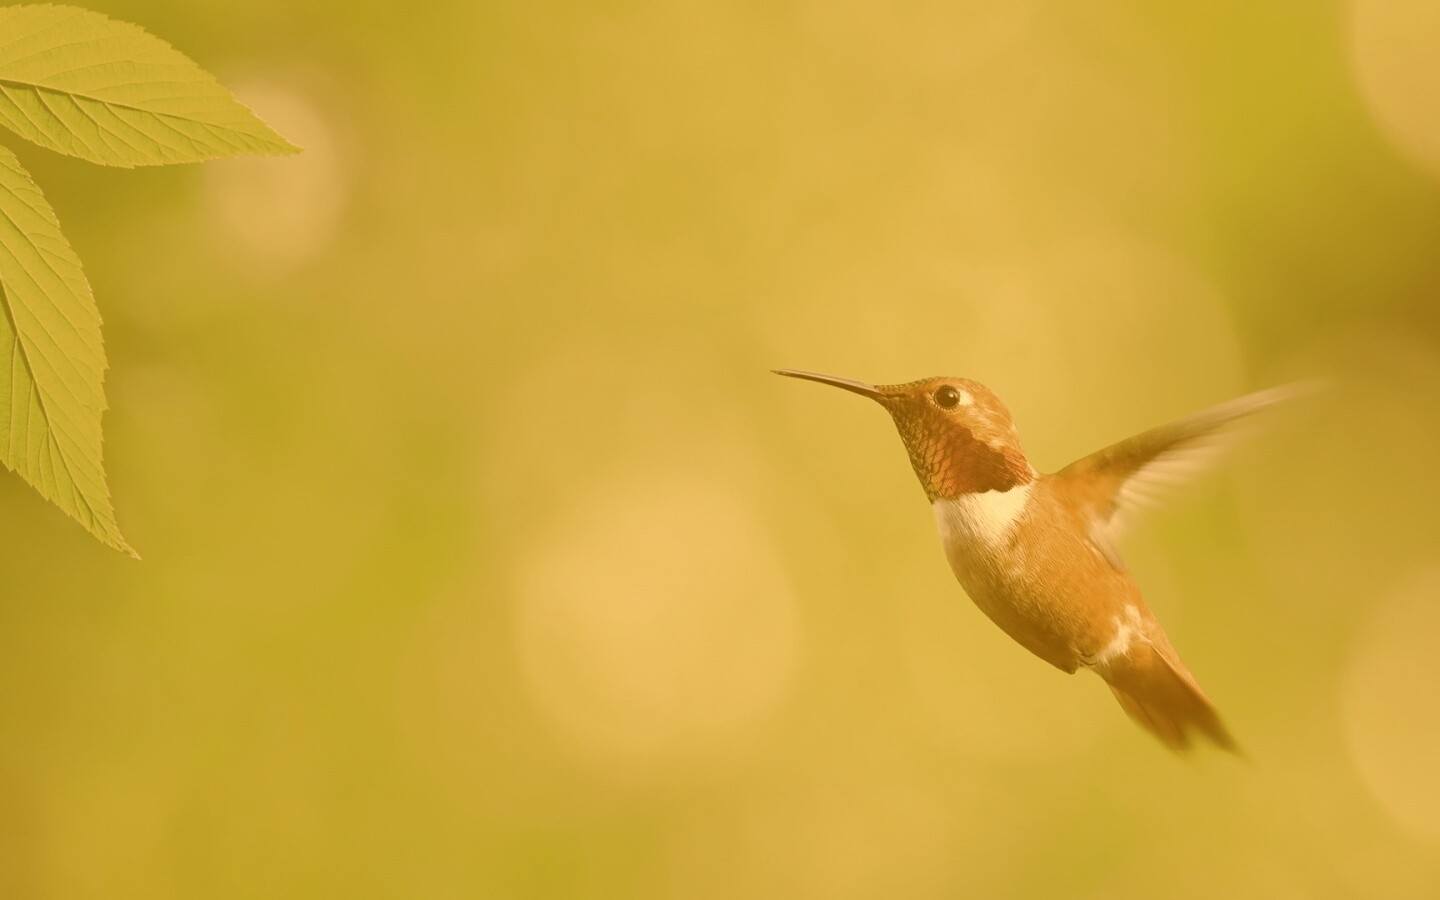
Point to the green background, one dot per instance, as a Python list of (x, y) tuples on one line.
[(484, 558)]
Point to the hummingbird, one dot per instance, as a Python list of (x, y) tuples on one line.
[(1037, 553)]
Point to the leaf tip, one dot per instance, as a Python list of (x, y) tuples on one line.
[(114, 541), (276, 144)]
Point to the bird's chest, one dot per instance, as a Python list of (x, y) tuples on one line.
[(980, 534), (1013, 560)]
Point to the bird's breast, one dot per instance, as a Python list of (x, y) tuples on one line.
[(981, 526), (1027, 567), (979, 535)]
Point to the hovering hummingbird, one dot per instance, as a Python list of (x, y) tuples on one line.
[(1037, 552)]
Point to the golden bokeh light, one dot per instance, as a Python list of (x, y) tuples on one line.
[(280, 211), (1398, 72), (1392, 730), (654, 621)]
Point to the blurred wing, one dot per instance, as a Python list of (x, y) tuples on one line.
[(1116, 483)]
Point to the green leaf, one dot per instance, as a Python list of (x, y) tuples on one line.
[(79, 83), (52, 363)]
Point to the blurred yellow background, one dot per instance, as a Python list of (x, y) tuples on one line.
[(484, 558)]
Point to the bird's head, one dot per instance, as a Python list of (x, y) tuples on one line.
[(960, 437)]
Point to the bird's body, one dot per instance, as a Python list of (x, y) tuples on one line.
[(1026, 563), (1010, 552), (1036, 552)]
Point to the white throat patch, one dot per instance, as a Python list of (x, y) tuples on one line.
[(987, 519)]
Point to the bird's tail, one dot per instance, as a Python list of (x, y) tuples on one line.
[(1157, 691)]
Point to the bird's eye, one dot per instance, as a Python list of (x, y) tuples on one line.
[(947, 397)]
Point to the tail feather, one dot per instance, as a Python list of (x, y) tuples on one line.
[(1162, 697)]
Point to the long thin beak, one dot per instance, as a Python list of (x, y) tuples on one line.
[(857, 387)]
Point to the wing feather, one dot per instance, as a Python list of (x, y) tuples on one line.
[(1116, 483)]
